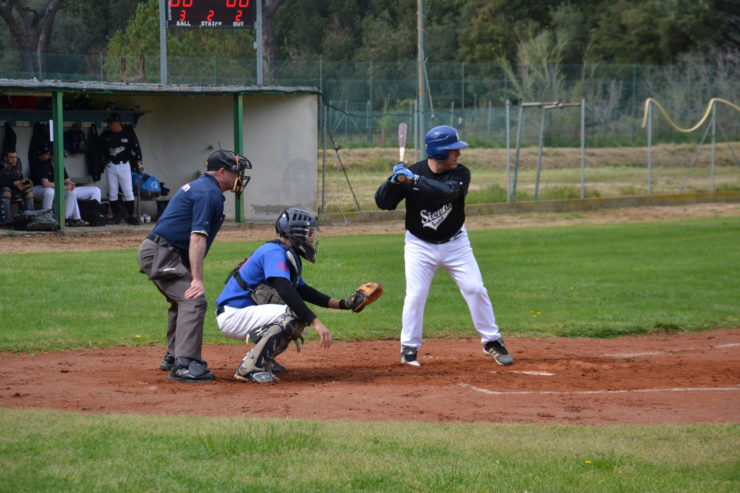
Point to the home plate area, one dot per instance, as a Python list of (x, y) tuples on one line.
[(652, 379)]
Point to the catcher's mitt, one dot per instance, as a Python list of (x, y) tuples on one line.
[(363, 296)]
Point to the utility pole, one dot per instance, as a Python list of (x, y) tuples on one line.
[(421, 74), (162, 42)]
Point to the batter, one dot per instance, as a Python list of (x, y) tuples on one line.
[(435, 190)]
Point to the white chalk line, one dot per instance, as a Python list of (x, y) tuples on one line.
[(523, 372), (551, 392), (653, 353)]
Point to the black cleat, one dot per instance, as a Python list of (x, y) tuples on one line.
[(167, 362), (498, 352), (408, 356)]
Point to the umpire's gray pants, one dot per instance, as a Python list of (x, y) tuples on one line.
[(162, 263)]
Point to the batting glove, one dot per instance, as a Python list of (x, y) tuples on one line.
[(406, 175)]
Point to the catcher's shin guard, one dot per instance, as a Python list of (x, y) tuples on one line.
[(271, 341)]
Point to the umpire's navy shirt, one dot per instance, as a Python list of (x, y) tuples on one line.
[(198, 207)]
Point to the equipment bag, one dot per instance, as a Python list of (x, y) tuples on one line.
[(93, 212), (35, 221), (151, 187)]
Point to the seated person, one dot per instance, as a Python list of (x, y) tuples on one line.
[(13, 186), (43, 175)]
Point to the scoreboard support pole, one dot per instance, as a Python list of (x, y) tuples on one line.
[(258, 43), (163, 42)]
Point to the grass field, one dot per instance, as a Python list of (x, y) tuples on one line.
[(596, 281)]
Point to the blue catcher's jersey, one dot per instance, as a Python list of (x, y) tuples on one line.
[(269, 260)]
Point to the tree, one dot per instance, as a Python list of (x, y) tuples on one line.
[(30, 28)]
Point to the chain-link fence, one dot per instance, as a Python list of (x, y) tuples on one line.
[(363, 103)]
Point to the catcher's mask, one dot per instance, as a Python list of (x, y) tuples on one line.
[(300, 227), (231, 161)]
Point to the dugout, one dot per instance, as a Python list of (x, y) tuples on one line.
[(178, 126)]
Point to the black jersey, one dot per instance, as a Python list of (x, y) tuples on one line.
[(120, 147), (435, 206)]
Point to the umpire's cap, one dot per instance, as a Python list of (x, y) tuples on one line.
[(227, 159)]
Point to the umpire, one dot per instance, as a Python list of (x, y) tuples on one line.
[(172, 257)]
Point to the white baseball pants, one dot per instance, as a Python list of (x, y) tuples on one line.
[(71, 209), (422, 259), (119, 175), (237, 322)]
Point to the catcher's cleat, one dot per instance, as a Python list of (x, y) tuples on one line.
[(168, 361), (257, 376), (408, 356), (498, 352), (190, 370)]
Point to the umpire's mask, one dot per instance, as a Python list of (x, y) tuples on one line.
[(234, 162)]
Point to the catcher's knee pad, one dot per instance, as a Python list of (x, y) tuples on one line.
[(272, 342), (291, 324)]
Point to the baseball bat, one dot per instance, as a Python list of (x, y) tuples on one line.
[(402, 132)]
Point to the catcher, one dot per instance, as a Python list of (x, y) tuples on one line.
[(265, 297)]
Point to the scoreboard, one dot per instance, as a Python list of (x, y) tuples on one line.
[(219, 14)]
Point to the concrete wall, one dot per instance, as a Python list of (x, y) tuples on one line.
[(177, 134)]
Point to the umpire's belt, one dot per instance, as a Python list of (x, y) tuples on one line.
[(166, 243), (453, 237)]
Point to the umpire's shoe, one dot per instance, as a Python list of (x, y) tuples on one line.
[(168, 361), (190, 370), (498, 352)]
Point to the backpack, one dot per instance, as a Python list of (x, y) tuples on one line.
[(35, 221), (151, 187)]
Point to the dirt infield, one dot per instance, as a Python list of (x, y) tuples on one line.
[(688, 378)]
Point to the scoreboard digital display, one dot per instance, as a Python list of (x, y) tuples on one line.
[(218, 14)]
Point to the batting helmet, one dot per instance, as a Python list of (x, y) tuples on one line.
[(299, 226), (441, 139)]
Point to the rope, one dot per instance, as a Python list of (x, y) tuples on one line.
[(712, 102)]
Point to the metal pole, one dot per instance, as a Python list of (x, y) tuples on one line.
[(518, 147), (583, 149), (539, 155), (714, 147), (258, 43), (462, 88), (421, 87), (57, 135), (508, 150), (162, 42), (416, 131), (238, 148), (650, 149), (323, 162), (488, 120)]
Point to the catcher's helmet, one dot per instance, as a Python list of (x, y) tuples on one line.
[(299, 226), (441, 139)]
